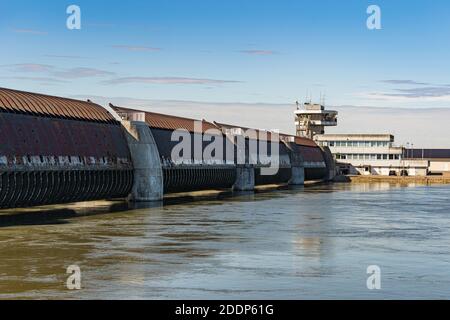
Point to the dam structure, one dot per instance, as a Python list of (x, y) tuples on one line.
[(191, 172), (55, 150)]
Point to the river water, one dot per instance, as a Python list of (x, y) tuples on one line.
[(302, 243)]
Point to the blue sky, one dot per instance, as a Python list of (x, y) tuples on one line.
[(231, 51)]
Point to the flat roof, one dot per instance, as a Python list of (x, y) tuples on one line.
[(356, 137), (303, 111), (443, 154)]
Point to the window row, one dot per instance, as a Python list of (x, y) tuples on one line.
[(361, 144), (341, 156)]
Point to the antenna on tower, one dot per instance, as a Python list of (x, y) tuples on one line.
[(312, 120), (308, 97)]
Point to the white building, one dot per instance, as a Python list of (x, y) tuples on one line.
[(438, 159), (368, 154)]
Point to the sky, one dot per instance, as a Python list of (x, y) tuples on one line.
[(259, 53)]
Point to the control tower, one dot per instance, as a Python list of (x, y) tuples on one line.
[(311, 119)]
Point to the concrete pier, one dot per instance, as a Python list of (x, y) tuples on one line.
[(245, 178), (148, 177), (298, 176), (330, 162), (297, 164)]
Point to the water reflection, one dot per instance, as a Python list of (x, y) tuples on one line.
[(290, 243)]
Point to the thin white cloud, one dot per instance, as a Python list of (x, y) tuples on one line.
[(425, 92), (53, 72), (137, 48), (64, 56), (29, 67), (437, 93), (425, 127), (37, 79), (167, 80), (405, 82), (31, 31), (258, 52), (389, 97), (417, 91), (75, 73)]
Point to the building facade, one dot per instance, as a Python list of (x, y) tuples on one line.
[(371, 154), (438, 159)]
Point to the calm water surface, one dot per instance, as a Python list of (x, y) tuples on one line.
[(312, 242)]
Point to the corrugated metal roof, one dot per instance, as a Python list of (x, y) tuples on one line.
[(14, 101), (305, 142), (168, 122), (298, 140), (262, 134), (157, 120)]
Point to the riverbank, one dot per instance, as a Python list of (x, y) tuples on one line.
[(395, 179)]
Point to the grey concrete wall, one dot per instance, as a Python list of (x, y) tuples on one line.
[(330, 162), (148, 176), (245, 178)]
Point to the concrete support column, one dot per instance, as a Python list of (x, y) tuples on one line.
[(245, 173), (245, 178), (298, 176), (297, 164), (330, 162), (148, 176)]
